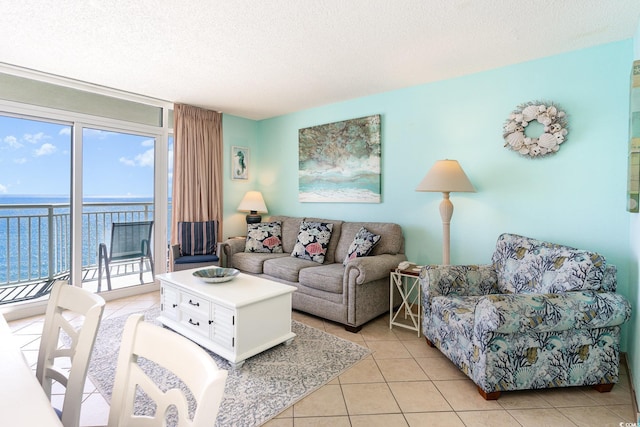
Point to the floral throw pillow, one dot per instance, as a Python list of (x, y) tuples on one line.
[(264, 237), (313, 241), (362, 244)]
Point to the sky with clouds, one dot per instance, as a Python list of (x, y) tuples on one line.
[(35, 159)]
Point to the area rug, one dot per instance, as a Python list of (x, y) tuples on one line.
[(262, 388)]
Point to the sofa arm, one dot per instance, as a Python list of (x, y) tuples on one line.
[(230, 247), (511, 313), (459, 280), (369, 268)]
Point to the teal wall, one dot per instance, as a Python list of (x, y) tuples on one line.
[(239, 132), (633, 347), (576, 197)]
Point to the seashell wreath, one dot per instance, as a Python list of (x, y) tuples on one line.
[(555, 129)]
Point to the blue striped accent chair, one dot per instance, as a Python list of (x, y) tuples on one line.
[(197, 243), (541, 315)]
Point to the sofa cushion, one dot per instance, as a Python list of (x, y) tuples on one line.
[(362, 244), (456, 312), (331, 257), (253, 262), (327, 278), (197, 238), (264, 237), (324, 304), (313, 241), (391, 238), (197, 259), (286, 268), (525, 265)]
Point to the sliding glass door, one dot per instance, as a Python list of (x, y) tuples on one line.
[(116, 190), (34, 206), (77, 165), (118, 208)]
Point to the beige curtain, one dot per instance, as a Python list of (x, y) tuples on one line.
[(197, 167)]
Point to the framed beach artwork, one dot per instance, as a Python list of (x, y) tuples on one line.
[(239, 163), (340, 162)]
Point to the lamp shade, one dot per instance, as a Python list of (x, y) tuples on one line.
[(252, 202), (446, 176)]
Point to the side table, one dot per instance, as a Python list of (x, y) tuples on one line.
[(407, 282)]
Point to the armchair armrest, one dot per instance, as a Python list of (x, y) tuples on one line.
[(511, 313), (175, 252), (369, 268), (459, 280), (609, 278)]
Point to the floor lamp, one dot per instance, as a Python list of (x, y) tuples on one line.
[(446, 176)]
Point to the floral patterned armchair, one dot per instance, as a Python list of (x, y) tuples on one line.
[(541, 315)]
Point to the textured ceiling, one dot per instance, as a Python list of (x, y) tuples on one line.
[(259, 59)]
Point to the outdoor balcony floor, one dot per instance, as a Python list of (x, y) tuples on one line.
[(122, 276)]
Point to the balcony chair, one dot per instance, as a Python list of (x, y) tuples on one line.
[(129, 241), (197, 245), (541, 315), (75, 312), (182, 358)]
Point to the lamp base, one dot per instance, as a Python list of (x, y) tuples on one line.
[(446, 211), (253, 218)]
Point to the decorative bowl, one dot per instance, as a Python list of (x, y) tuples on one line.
[(216, 274)]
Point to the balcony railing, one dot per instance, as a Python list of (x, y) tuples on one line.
[(35, 241)]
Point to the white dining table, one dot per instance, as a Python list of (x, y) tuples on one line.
[(23, 402)]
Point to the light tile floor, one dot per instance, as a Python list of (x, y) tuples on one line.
[(403, 383)]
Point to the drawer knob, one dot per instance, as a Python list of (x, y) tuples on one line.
[(197, 304), (194, 323), (211, 322), (174, 305)]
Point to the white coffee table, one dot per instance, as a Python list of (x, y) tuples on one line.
[(235, 320)]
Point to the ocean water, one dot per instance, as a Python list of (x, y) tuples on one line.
[(35, 232), (326, 187)]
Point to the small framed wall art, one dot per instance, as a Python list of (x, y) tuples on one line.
[(239, 163)]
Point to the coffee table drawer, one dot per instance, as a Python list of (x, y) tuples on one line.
[(195, 304), (195, 322)]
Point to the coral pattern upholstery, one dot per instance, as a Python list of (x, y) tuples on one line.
[(541, 315)]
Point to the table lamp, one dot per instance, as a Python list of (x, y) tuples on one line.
[(446, 176), (253, 203)]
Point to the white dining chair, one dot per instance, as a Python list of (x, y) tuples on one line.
[(186, 360), (75, 312)]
